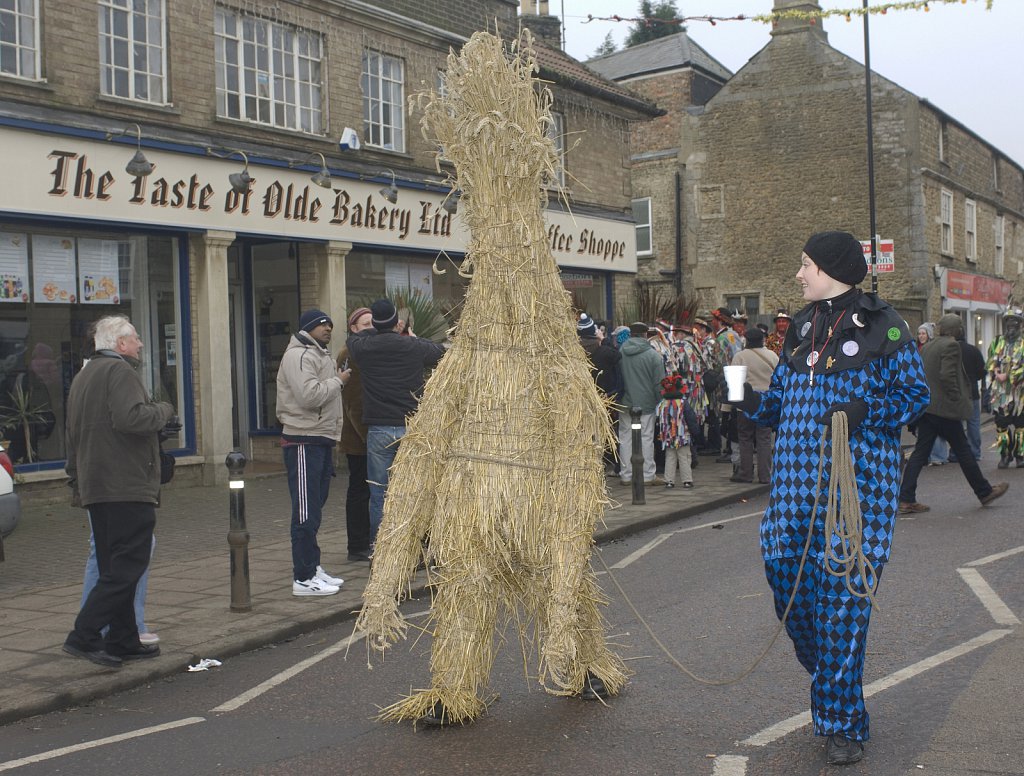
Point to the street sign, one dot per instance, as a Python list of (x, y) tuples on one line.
[(886, 262)]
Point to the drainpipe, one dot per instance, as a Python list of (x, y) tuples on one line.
[(679, 235)]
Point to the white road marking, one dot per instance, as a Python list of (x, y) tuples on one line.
[(66, 750), (638, 554), (777, 731), (240, 700), (989, 598), (998, 556), (729, 765)]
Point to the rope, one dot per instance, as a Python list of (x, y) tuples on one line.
[(842, 520)]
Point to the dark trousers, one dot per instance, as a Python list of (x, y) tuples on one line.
[(310, 468), (123, 532), (748, 432), (930, 427), (357, 505)]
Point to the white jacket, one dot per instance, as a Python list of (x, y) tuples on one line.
[(308, 390)]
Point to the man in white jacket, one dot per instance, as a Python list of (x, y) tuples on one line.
[(309, 386)]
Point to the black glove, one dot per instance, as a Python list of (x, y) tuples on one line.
[(855, 411), (171, 430), (751, 400)]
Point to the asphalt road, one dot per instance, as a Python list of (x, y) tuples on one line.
[(944, 667)]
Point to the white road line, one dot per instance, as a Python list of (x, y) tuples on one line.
[(780, 729), (998, 556), (66, 750), (989, 598), (240, 700), (638, 554), (729, 765)]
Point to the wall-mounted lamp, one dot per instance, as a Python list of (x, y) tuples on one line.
[(139, 166), (390, 193), (321, 178), (239, 180), (451, 203)]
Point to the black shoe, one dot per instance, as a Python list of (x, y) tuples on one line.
[(1020, 463), (737, 478), (437, 716), (97, 656), (726, 458), (593, 688), (1004, 462), (142, 652), (840, 750), (364, 556)]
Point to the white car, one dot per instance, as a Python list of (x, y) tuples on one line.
[(10, 503)]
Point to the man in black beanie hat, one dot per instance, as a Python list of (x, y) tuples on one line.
[(392, 369), (846, 351)]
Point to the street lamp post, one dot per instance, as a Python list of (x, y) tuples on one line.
[(871, 154)]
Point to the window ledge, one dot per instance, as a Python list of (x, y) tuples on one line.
[(166, 108), (31, 83), (283, 131)]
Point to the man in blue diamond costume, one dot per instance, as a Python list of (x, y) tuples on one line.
[(845, 351)]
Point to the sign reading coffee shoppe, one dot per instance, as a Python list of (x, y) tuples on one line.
[(70, 177)]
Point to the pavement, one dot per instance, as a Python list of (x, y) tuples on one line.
[(189, 597)]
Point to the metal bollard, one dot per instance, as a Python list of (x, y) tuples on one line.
[(238, 535), (636, 458)]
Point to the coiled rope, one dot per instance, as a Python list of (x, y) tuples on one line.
[(843, 528)]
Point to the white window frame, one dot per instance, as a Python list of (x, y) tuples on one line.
[(383, 84), (942, 141), (556, 131), (970, 230), (269, 73), (946, 217), (133, 50), (995, 171), (20, 48), (999, 261), (641, 227)]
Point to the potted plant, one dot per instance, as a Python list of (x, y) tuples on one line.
[(22, 417)]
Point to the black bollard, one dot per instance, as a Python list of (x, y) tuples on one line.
[(238, 535), (636, 458)]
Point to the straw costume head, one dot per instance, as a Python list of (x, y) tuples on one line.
[(504, 476)]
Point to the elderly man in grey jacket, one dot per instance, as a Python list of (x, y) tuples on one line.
[(114, 466), (949, 407)]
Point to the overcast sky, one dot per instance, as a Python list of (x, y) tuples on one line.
[(965, 60)]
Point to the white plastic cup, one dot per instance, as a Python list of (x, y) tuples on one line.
[(735, 377)]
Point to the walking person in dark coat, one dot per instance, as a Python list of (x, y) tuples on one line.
[(950, 405), (974, 366), (114, 465), (604, 365)]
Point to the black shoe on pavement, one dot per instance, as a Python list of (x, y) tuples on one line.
[(437, 716), (737, 478), (840, 750), (997, 490), (1004, 462), (593, 688), (726, 458), (1020, 463), (142, 652), (364, 556), (97, 656)]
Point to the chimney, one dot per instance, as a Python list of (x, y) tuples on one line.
[(787, 26), (546, 27)]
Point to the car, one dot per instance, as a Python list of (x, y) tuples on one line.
[(10, 502)]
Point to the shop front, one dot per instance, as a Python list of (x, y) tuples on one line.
[(214, 267), (979, 299)]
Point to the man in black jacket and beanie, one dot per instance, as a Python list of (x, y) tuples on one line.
[(604, 366), (949, 406), (393, 376)]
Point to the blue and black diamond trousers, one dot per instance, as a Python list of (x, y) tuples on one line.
[(829, 629)]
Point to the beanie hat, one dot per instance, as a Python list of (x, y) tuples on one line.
[(586, 326), (385, 315), (310, 319), (619, 335), (839, 256), (951, 324), (755, 338), (358, 313), (639, 329)]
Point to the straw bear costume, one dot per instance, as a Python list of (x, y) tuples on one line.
[(865, 352)]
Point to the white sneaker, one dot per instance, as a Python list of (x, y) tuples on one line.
[(323, 576), (313, 586)]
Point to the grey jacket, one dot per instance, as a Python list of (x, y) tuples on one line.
[(113, 453), (642, 370), (308, 390)]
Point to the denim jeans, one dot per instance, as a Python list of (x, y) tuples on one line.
[(92, 575), (381, 448)]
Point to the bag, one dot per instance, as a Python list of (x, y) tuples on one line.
[(167, 462)]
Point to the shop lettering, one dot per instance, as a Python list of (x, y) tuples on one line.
[(187, 194), (434, 221), (88, 184), (588, 243), (369, 216), (282, 200)]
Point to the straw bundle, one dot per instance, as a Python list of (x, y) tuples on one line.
[(501, 470)]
